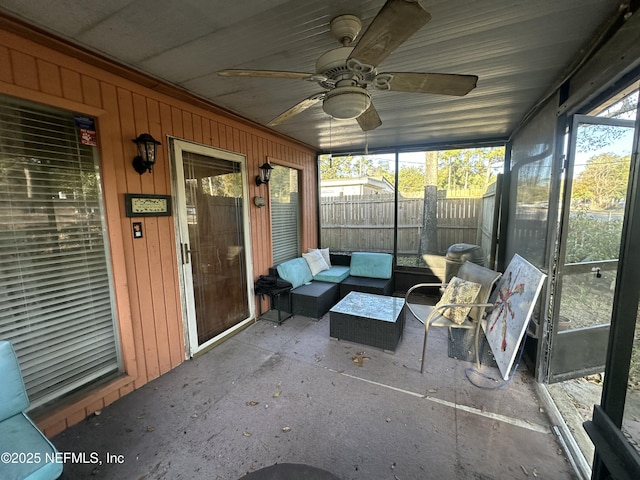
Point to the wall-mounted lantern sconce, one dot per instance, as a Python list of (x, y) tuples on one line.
[(147, 147), (265, 174)]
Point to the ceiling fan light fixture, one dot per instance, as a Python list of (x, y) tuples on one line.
[(346, 102)]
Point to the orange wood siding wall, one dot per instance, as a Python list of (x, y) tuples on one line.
[(38, 68)]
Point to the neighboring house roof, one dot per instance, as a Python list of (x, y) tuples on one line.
[(355, 186)]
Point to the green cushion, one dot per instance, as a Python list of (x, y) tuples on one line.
[(372, 265), (335, 274), (295, 271), (13, 395), (20, 436)]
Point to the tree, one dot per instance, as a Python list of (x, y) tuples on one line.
[(592, 137), (595, 137), (603, 182), (468, 168), (411, 180), (345, 167), (429, 234)]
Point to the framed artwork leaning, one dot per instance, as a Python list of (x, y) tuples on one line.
[(514, 298)]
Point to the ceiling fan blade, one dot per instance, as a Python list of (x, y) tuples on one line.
[(394, 24), (297, 108), (370, 119), (265, 74), (436, 83)]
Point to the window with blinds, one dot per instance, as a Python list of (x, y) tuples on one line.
[(285, 214), (55, 283)]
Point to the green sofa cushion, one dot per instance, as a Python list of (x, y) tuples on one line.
[(20, 436), (295, 271), (372, 265), (335, 274), (13, 395)]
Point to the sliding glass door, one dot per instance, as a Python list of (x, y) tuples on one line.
[(214, 241)]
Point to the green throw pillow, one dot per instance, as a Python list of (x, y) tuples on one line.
[(295, 271)]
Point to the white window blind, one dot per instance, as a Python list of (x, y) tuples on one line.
[(55, 284), (285, 214)]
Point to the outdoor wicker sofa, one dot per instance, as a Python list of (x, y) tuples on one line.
[(314, 295)]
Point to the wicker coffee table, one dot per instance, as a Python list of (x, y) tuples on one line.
[(374, 320)]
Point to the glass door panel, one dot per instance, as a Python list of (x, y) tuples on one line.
[(597, 181), (214, 195), (357, 203), (214, 239)]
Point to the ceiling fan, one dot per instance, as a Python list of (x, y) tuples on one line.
[(346, 72)]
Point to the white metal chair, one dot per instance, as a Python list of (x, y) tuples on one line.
[(431, 315)]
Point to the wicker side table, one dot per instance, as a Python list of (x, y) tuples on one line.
[(369, 319)]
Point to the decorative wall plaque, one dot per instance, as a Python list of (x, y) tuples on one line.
[(147, 205)]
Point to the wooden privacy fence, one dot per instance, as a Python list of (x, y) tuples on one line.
[(366, 222)]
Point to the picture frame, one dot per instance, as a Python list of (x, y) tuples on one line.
[(514, 298)]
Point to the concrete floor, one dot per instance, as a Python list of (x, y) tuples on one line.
[(575, 400), (290, 394)]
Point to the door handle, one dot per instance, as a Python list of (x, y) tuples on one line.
[(185, 253)]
